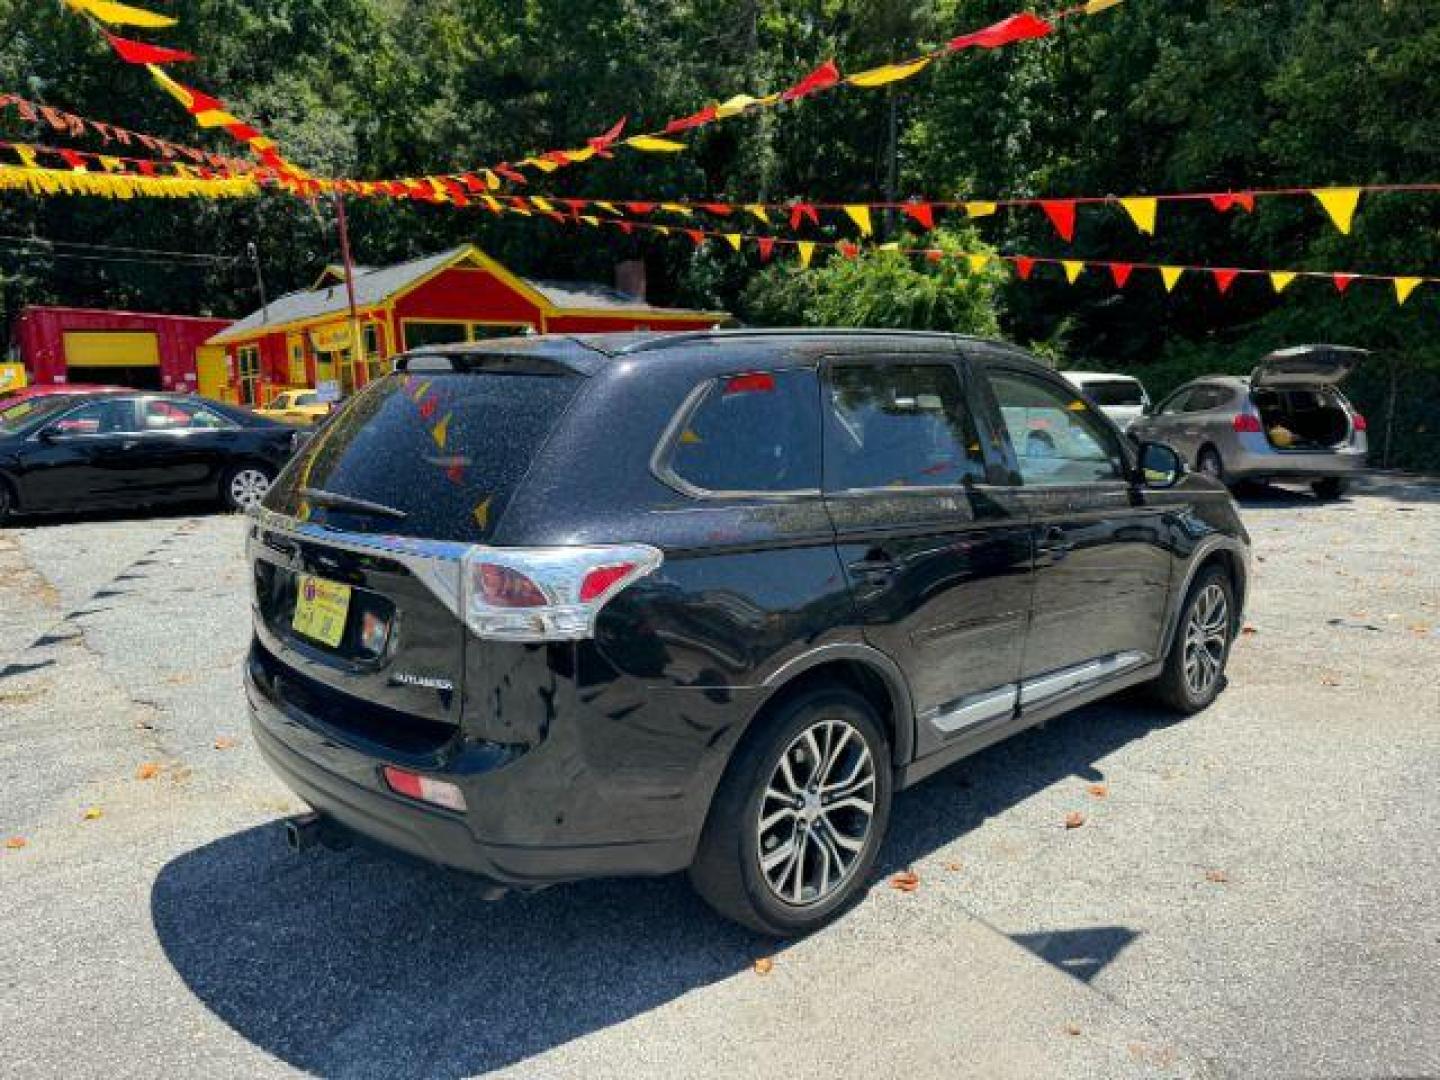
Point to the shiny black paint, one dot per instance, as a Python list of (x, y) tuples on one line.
[(602, 756), (136, 468)]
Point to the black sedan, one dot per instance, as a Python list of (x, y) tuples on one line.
[(88, 452)]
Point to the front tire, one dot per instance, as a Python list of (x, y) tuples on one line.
[(1329, 489), (799, 818), (1194, 671), (245, 487)]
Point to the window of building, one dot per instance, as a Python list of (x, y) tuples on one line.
[(899, 425), (418, 334), (298, 375), (758, 431), (1057, 439), (247, 373)]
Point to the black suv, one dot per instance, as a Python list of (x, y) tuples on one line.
[(558, 607)]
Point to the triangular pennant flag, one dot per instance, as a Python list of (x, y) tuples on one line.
[(1094, 7), (758, 211), (1243, 199), (890, 73), (977, 263), (652, 144), (602, 143), (121, 14), (806, 250), (803, 212), (1073, 267), (1024, 267), (640, 207), (733, 239), (1170, 275), (1404, 286), (138, 52), (1224, 279), (1061, 213), (922, 214), (1280, 280), (1015, 28), (717, 208), (981, 209), (766, 244), (861, 216), (1142, 212), (849, 250), (180, 93), (734, 106), (827, 74), (1343, 282), (1340, 204), (1121, 272), (696, 236), (441, 431), (684, 123)]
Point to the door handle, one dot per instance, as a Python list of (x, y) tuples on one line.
[(874, 567), (129, 444)]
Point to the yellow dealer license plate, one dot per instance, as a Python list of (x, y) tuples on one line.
[(320, 609)]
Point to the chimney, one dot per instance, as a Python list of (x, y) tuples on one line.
[(630, 277)]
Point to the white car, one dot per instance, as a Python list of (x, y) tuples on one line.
[(1120, 397)]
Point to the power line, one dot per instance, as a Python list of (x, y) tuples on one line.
[(41, 245)]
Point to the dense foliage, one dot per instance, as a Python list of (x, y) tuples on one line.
[(1148, 97)]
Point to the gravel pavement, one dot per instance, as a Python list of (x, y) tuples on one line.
[(1253, 892)]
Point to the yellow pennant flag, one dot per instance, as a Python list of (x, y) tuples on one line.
[(441, 431), (1404, 286), (545, 206), (805, 249), (861, 216), (1094, 7), (737, 104), (482, 512), (1142, 212), (1340, 204), (609, 208), (980, 209), (890, 73), (580, 155), (213, 118), (1170, 275), (1280, 280), (977, 263), (27, 155), (170, 86), (121, 14), (677, 208), (759, 212), (1072, 269), (492, 203), (590, 219), (654, 145), (733, 239), (543, 164)]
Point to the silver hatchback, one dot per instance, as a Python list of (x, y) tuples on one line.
[(1287, 421)]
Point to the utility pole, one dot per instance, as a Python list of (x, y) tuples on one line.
[(357, 340), (254, 253)]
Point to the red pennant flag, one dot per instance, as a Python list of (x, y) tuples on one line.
[(1224, 279), (455, 473), (1121, 273), (803, 211), (1024, 267), (767, 248), (640, 207), (717, 208), (241, 132), (560, 157), (74, 160), (55, 118), (827, 74), (1243, 199), (511, 174), (147, 167), (694, 120), (473, 182), (921, 213), (601, 143), (1016, 28), (575, 205), (849, 250), (1342, 282), (1061, 213), (934, 255), (696, 236), (137, 52), (203, 103)]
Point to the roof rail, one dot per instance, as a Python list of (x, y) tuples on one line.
[(666, 341)]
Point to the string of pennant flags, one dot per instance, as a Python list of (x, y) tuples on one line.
[(45, 181), (35, 156)]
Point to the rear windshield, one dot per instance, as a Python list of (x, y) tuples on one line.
[(446, 450), (1114, 392)]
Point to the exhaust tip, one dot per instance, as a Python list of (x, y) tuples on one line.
[(302, 833)]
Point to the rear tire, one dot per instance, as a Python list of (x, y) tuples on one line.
[(245, 486), (799, 817), (1330, 488), (1194, 671)]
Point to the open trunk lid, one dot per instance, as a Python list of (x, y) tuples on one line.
[(1307, 365)]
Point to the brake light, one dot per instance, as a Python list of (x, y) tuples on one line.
[(1358, 422), (547, 594), (414, 786), (1246, 422), (755, 383)]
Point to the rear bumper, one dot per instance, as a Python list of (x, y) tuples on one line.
[(343, 783), (1261, 463)]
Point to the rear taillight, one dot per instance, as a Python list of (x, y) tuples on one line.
[(1358, 422), (1246, 422), (547, 594), (414, 786)]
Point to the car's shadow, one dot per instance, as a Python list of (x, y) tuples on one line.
[(187, 509), (356, 962)]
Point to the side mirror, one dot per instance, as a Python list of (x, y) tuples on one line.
[(1160, 466)]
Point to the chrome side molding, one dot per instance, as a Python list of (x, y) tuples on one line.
[(1054, 683)]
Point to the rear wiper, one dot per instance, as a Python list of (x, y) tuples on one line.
[(349, 502)]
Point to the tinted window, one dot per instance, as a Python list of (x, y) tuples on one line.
[(1114, 392), (1204, 398), (898, 425), (304, 401), (1057, 439), (447, 449), (162, 414), (32, 411), (1176, 402), (758, 431), (107, 416)]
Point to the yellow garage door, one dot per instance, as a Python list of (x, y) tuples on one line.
[(118, 348)]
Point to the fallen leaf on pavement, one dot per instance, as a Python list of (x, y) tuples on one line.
[(764, 966), (224, 743), (15, 843), (1247, 631), (905, 881), (148, 771), (1098, 790), (1072, 1029), (953, 866), (1074, 819), (1217, 876), (1329, 680), (92, 813)]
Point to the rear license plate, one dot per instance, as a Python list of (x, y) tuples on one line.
[(320, 609)]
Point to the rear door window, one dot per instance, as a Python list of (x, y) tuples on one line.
[(750, 432), (898, 425), (445, 449)]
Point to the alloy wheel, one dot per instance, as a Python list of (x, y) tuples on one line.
[(816, 813), (1206, 632), (248, 488)]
